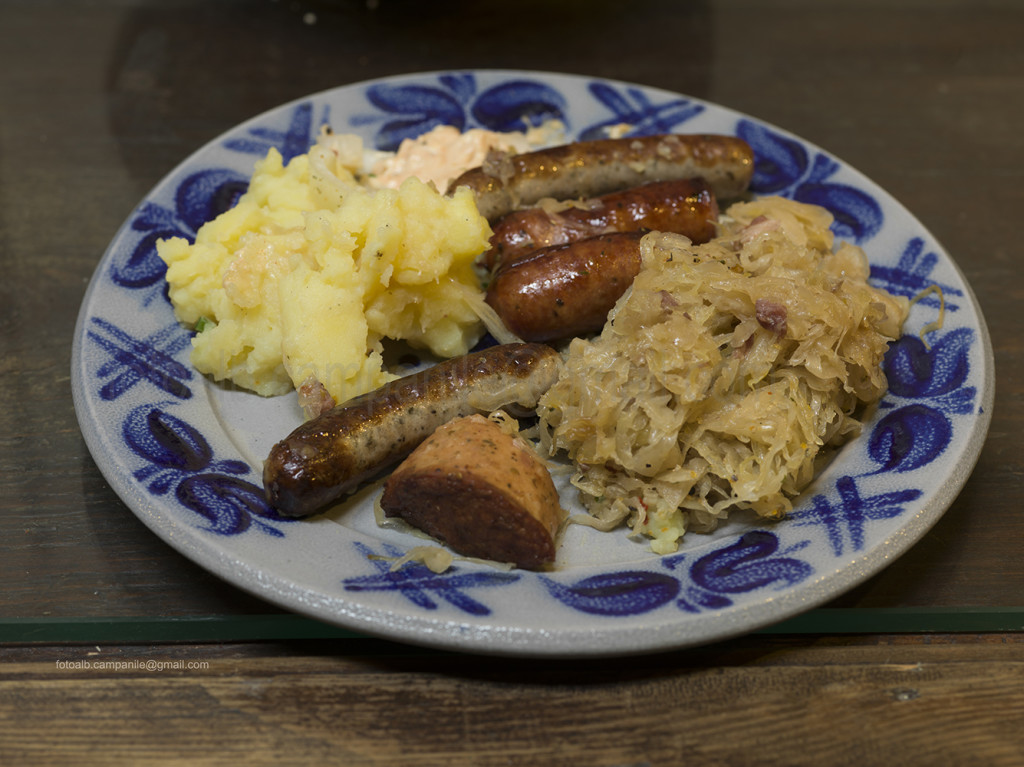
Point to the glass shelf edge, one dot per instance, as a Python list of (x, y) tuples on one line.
[(42, 630)]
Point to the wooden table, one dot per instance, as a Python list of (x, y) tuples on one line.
[(922, 664)]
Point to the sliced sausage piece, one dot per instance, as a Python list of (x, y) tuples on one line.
[(565, 290), (684, 206), (481, 491), (331, 455), (593, 168)]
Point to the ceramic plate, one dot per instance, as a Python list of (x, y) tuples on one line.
[(185, 453)]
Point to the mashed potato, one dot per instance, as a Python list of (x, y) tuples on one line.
[(310, 271)]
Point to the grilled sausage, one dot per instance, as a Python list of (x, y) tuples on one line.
[(683, 206), (334, 453), (479, 490), (565, 290), (593, 168)]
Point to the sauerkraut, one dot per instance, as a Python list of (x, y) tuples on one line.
[(723, 374)]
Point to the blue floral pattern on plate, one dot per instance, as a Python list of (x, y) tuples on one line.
[(185, 453)]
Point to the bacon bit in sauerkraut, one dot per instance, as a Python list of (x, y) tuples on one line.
[(723, 374), (771, 316)]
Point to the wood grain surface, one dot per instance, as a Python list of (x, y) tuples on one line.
[(99, 99), (873, 700)]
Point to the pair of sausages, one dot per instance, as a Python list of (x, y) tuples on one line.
[(557, 273), (554, 275), (588, 257)]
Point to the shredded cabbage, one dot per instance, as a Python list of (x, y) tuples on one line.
[(722, 374)]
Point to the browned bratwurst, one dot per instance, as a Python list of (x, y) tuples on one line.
[(593, 168), (565, 290), (334, 453), (683, 206)]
